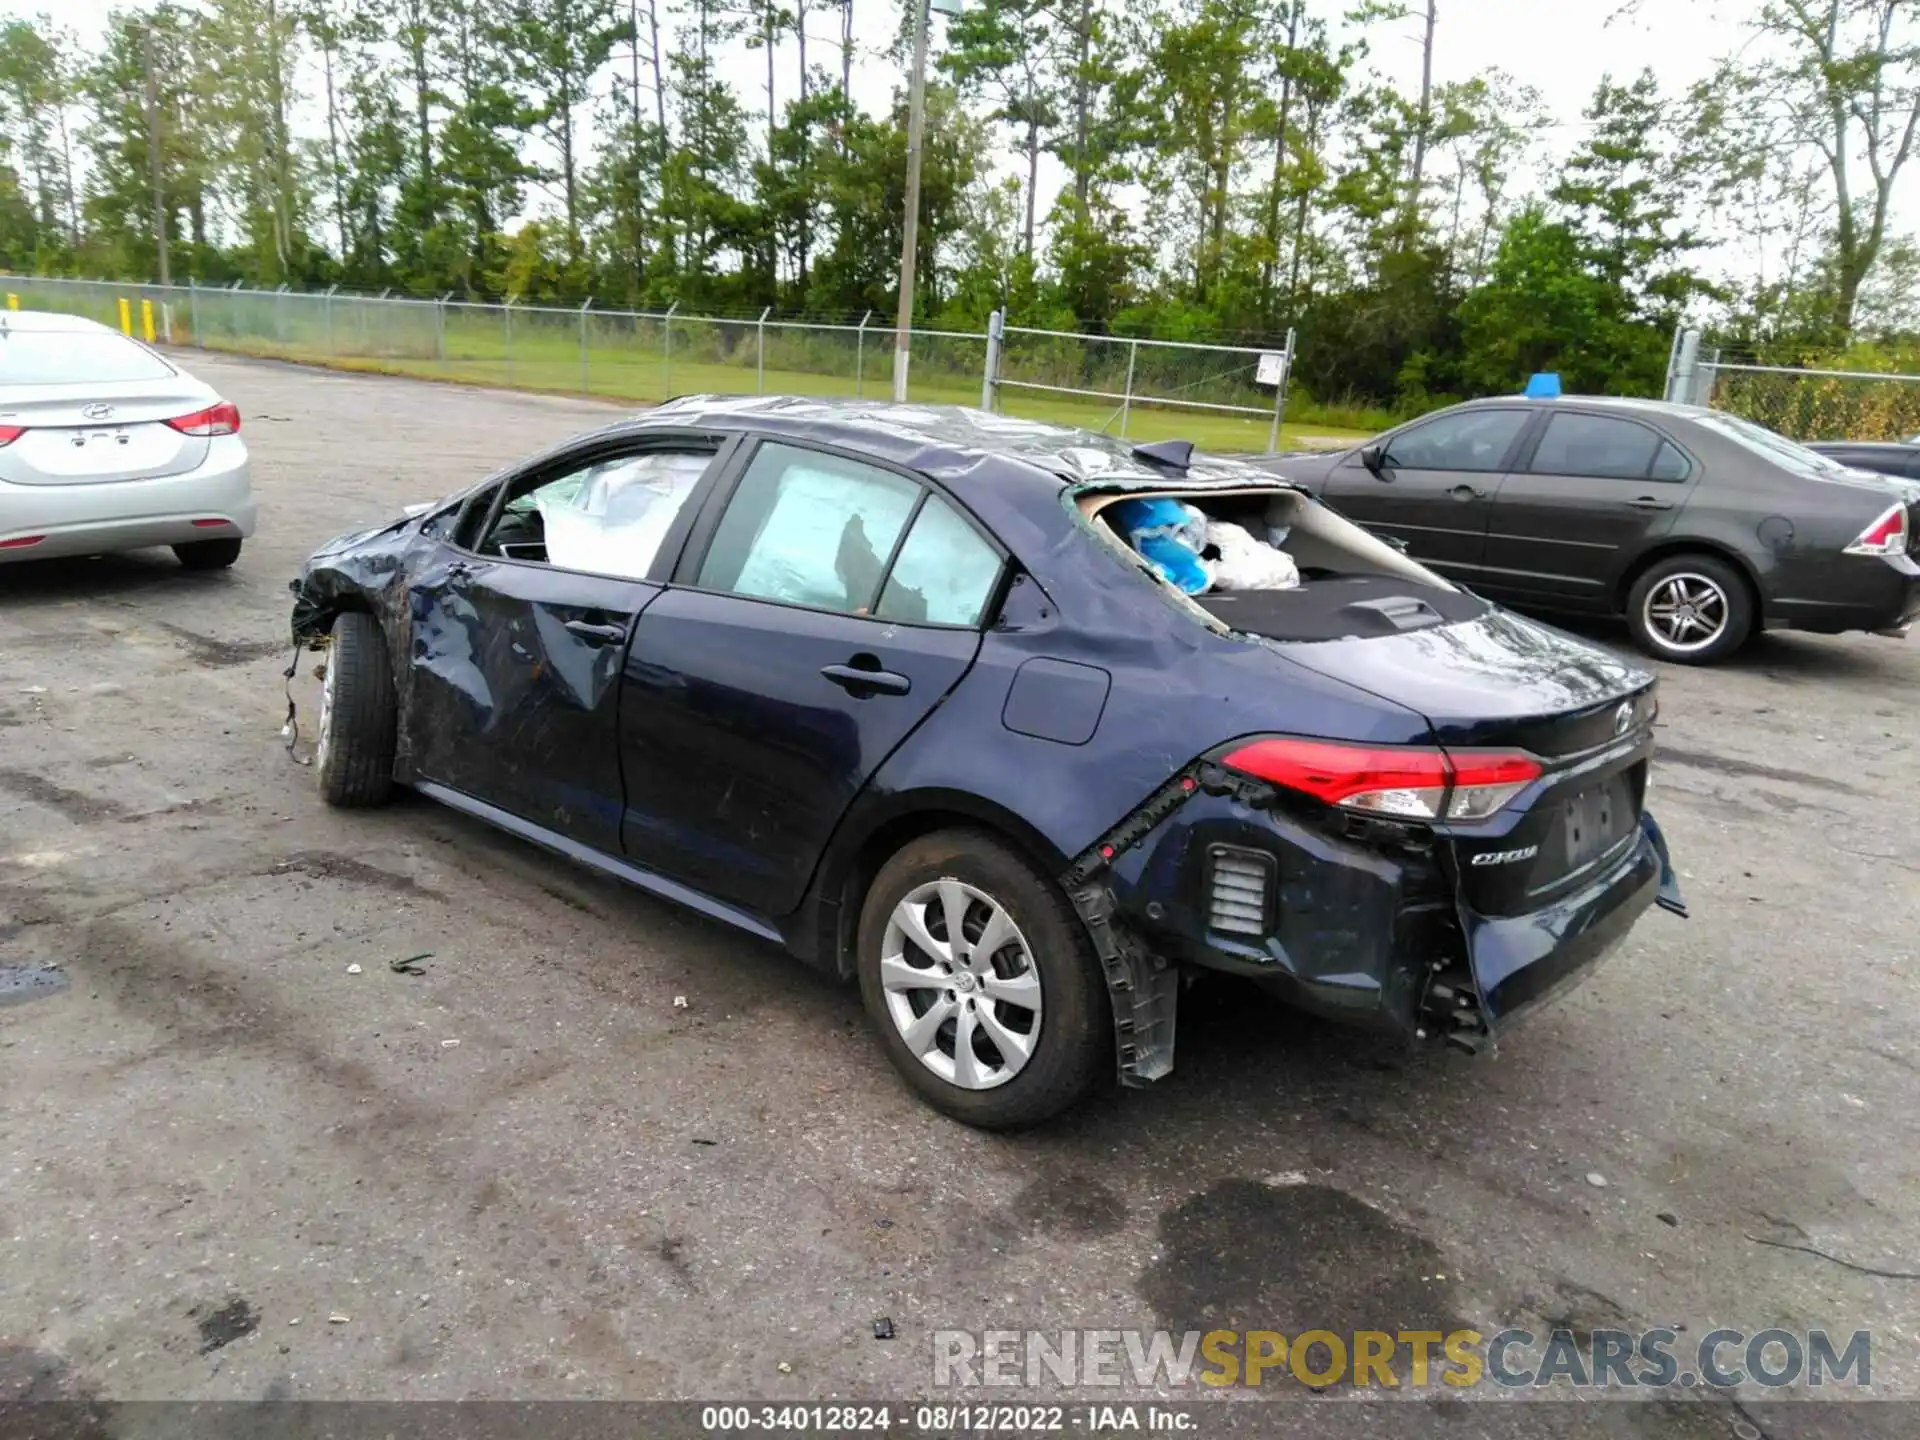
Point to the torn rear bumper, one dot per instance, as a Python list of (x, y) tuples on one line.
[(1519, 960), (1359, 921)]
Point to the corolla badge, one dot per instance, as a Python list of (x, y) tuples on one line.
[(98, 412), (1506, 857)]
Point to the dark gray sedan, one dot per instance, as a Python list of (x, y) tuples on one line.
[(1889, 457), (1699, 527)]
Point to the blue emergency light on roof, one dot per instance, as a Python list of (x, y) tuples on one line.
[(1543, 386)]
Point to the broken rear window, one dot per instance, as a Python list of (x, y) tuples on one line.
[(1275, 563)]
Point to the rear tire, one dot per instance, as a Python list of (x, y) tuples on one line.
[(208, 554), (358, 715), (1692, 609), (1030, 1004)]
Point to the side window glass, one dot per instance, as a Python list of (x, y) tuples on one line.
[(605, 518), (809, 529), (471, 516), (1669, 463), (1595, 445), (945, 572), (1466, 440)]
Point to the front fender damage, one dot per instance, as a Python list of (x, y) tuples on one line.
[(368, 571)]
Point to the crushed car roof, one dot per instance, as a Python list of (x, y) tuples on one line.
[(951, 439)]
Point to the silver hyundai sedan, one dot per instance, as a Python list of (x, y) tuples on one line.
[(105, 445)]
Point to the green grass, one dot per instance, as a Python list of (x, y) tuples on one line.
[(620, 375), (625, 359)]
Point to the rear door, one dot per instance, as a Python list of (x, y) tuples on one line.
[(824, 607), (1587, 496), (520, 628), (1435, 486)]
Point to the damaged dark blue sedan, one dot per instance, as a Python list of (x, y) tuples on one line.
[(890, 687)]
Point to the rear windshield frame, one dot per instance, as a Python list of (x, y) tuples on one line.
[(85, 356)]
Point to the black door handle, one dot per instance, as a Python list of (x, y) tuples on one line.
[(1647, 502), (588, 630), (1466, 492), (860, 682)]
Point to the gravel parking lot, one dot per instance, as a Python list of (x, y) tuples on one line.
[(525, 1172)]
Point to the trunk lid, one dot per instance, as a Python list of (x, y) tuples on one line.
[(1504, 682), (76, 435)]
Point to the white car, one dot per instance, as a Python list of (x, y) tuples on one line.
[(106, 445)]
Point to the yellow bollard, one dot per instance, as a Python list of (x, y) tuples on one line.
[(13, 301), (146, 320), (126, 317)]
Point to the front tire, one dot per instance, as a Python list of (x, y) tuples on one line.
[(1011, 1025), (1692, 609), (358, 715), (207, 554)]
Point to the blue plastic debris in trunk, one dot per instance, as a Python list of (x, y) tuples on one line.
[(1169, 537)]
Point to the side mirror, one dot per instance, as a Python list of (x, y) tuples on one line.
[(1374, 457)]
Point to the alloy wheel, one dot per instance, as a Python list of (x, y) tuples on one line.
[(960, 983), (1686, 612)]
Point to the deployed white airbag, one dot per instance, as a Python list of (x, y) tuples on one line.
[(1246, 563)]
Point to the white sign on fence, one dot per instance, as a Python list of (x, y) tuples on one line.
[(1273, 368)]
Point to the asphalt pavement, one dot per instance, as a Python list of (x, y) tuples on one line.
[(236, 1169)]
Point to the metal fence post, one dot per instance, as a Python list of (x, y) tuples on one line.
[(860, 358), (1280, 394), (440, 327), (1126, 397), (327, 305), (584, 388), (760, 351), (666, 331), (506, 312), (990, 377), (193, 310), (1680, 373)]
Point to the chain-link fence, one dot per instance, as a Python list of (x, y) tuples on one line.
[(1803, 401), (1221, 397), (1142, 380)]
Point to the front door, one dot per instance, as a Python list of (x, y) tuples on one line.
[(519, 638), (1433, 489), (1588, 497), (835, 604)]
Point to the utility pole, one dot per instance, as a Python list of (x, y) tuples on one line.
[(910, 229), (153, 158), (1425, 124)]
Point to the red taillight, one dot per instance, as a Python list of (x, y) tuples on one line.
[(1408, 784), (221, 419), (11, 433), (1886, 536), (20, 542)]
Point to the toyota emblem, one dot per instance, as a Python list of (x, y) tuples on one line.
[(98, 412), (1623, 718)]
